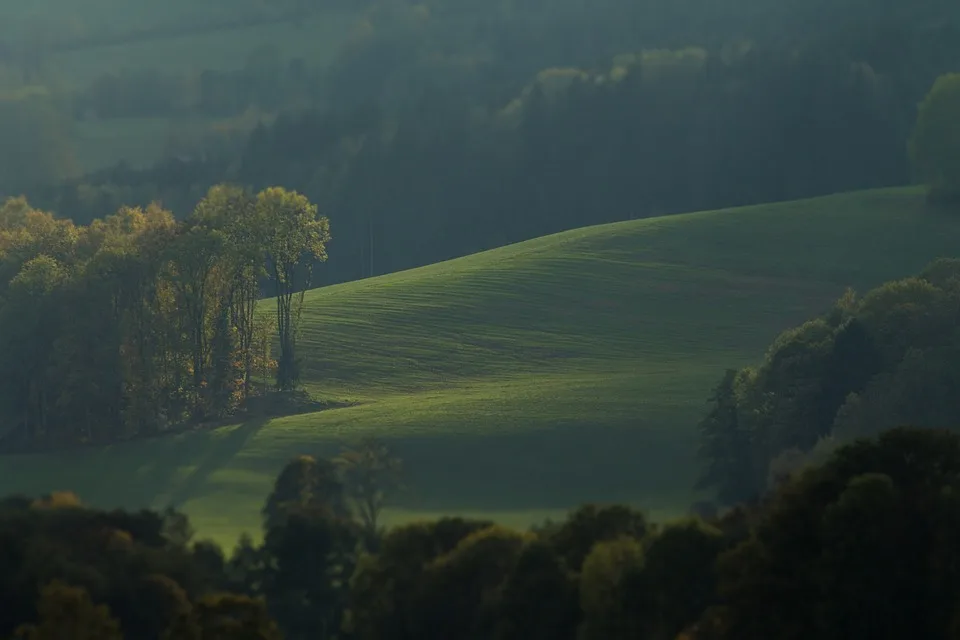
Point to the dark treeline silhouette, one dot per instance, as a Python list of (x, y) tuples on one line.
[(446, 128), (860, 546)]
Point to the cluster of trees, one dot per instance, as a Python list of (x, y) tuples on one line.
[(888, 358), (137, 322), (858, 546)]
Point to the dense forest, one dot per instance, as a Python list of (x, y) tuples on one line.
[(444, 128), (858, 546)]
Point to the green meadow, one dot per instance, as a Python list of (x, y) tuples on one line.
[(521, 381)]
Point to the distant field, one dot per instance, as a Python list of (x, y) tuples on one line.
[(520, 381), (316, 39), (140, 141)]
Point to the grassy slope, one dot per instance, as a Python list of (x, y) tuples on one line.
[(522, 380)]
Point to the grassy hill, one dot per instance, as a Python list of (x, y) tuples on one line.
[(520, 381)]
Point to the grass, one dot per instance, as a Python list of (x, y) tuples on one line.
[(520, 381)]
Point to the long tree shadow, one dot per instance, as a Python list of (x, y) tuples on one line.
[(221, 451)]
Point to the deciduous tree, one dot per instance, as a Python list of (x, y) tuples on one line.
[(935, 143)]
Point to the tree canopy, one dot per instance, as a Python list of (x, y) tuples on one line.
[(138, 323), (935, 143)]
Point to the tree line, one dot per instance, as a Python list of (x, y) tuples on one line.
[(648, 134), (137, 322), (535, 124), (858, 545), (873, 362)]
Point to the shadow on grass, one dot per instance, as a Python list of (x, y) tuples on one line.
[(219, 452), (555, 468), (149, 473)]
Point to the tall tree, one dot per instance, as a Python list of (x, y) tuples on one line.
[(725, 446), (233, 210), (295, 237), (935, 144), (371, 472), (194, 259)]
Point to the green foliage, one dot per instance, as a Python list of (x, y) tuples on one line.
[(306, 483), (458, 593), (885, 360), (586, 526), (860, 545), (935, 143), (67, 611), (91, 574), (137, 323), (725, 444), (384, 589), (854, 548), (294, 238), (612, 594), (371, 473), (678, 567), (538, 600), (226, 617), (311, 556)]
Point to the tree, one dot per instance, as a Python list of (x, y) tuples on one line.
[(538, 600), (305, 482), (457, 593), (613, 595), (679, 565), (233, 210), (310, 557), (589, 524), (384, 588), (370, 473), (725, 446), (935, 143), (294, 237), (225, 616), (68, 612), (194, 258), (858, 547)]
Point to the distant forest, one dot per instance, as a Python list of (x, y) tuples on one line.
[(453, 126)]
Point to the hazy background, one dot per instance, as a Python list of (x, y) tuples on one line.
[(431, 130)]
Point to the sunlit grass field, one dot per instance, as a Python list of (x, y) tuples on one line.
[(521, 381)]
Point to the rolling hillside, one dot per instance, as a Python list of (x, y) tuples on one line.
[(520, 381)]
